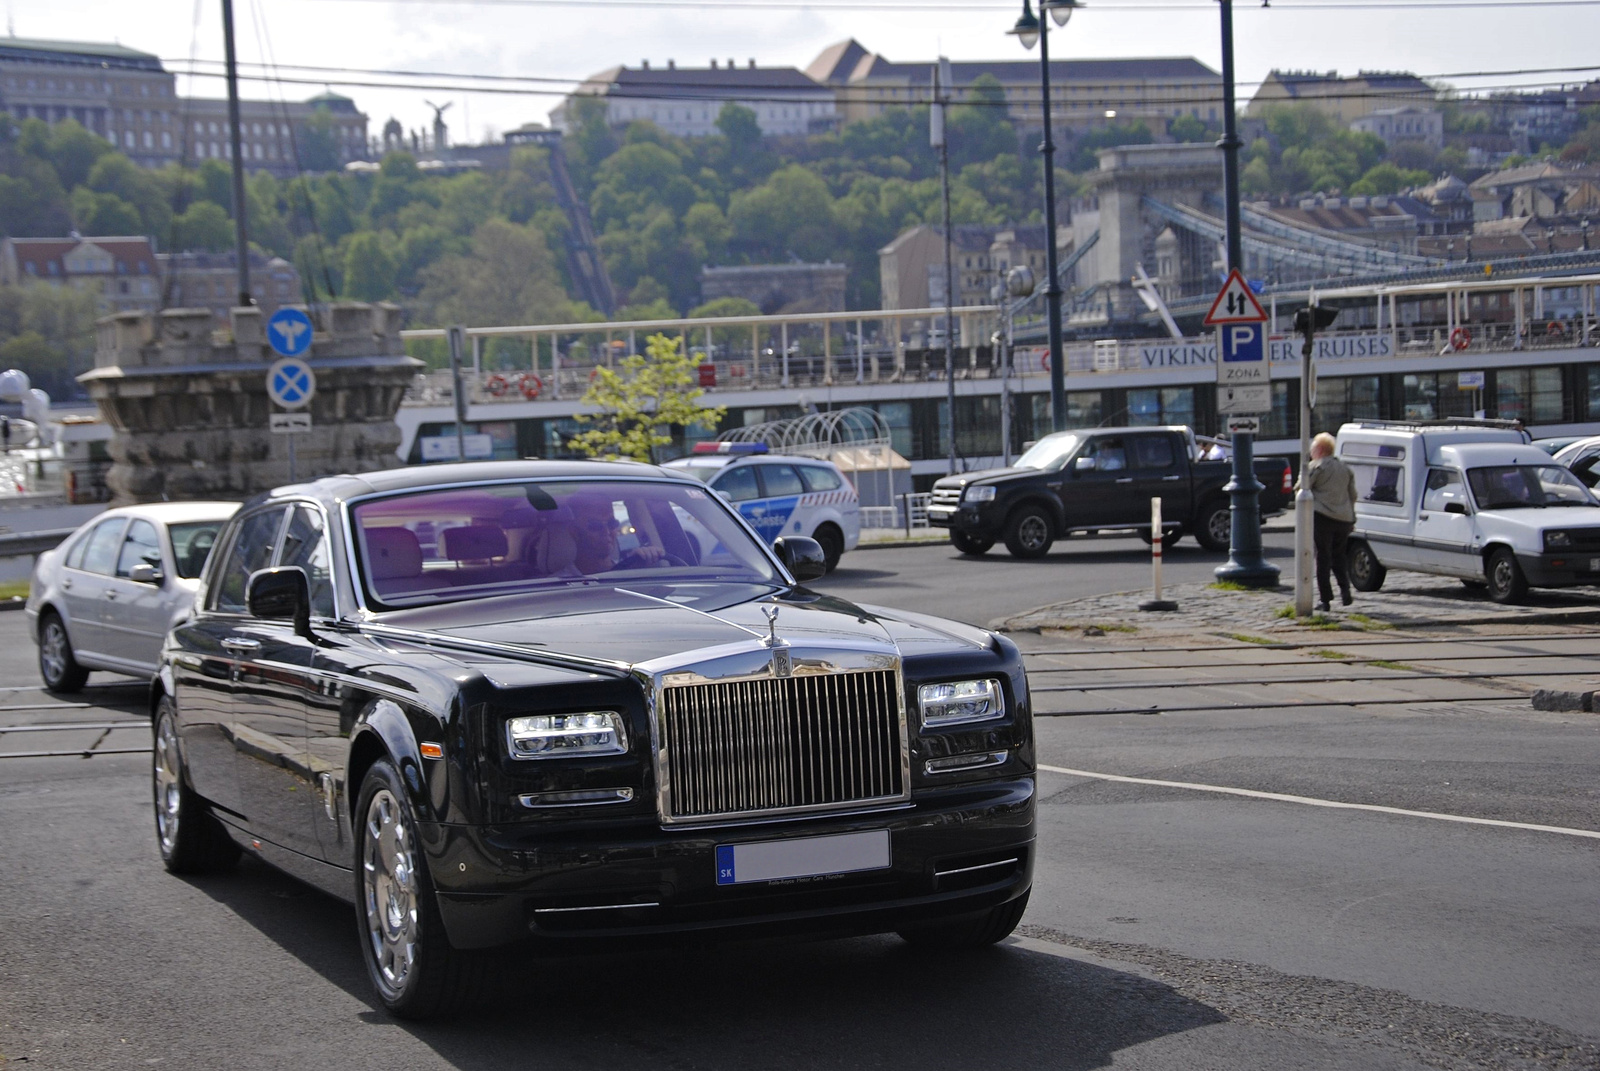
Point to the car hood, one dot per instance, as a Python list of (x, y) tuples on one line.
[(1540, 517), (646, 622), (985, 476)]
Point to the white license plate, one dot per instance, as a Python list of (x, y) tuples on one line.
[(940, 511), (810, 857), (1594, 565)]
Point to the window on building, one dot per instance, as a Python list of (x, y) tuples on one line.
[(1431, 395), (1592, 395), (1531, 395), (1158, 406), (1342, 400)]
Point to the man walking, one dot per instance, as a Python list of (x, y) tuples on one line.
[(1333, 493)]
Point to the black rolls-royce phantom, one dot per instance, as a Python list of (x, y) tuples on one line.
[(560, 701)]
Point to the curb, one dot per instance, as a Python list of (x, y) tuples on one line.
[(891, 544)]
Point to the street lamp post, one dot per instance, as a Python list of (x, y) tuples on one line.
[(1030, 30)]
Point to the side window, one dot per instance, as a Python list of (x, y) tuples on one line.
[(781, 480), (306, 545), (818, 478), (1154, 452), (1110, 454), (1382, 484), (141, 544), (739, 483), (252, 548), (100, 549), (1444, 487)]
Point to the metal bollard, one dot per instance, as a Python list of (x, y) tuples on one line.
[(1156, 534), (1304, 550)]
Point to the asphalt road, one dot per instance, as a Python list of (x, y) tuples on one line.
[(936, 580), (1170, 929)]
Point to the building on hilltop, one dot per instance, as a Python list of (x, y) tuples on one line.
[(211, 281), (687, 100), (911, 268), (122, 271), (130, 99), (779, 288), (1411, 123), (1084, 94), (1343, 99)]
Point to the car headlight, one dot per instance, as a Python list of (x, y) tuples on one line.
[(980, 494), (1557, 540), (557, 736), (960, 702)]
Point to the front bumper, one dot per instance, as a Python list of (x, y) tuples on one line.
[(953, 851), (1561, 570), (963, 518)]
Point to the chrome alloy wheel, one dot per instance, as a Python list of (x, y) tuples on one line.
[(53, 651), (1221, 525), (168, 785), (389, 888), (1033, 532)]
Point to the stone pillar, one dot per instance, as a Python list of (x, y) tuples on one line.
[(189, 409)]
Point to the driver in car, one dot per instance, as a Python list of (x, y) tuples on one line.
[(598, 550)]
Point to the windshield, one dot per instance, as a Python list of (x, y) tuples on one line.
[(703, 473), (498, 539), (1526, 486), (1049, 453)]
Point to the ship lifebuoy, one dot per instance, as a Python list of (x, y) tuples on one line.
[(1555, 328), (1460, 338), (532, 386), (497, 384), (1044, 361)]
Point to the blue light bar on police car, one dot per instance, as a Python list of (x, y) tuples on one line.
[(730, 448)]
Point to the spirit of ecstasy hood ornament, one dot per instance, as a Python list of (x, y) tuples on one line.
[(772, 625)]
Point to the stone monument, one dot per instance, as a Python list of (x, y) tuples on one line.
[(188, 405)]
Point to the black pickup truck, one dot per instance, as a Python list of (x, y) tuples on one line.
[(1098, 480)]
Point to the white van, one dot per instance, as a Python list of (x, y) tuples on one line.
[(1474, 501)]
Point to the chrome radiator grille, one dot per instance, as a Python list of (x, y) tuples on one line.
[(775, 745), (945, 496)]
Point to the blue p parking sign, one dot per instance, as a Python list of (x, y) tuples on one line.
[(1242, 353), (291, 383), (289, 332)]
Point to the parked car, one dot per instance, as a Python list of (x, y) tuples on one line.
[(781, 495), (1475, 502), (1097, 480), (1583, 458), (565, 724), (1557, 444), (105, 598)]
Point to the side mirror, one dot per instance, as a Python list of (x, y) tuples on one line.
[(1455, 507), (1084, 464), (281, 594), (145, 573), (802, 556)]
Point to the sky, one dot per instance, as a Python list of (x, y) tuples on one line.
[(570, 39)]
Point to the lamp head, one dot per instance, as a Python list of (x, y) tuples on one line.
[(1060, 10), (1027, 28)]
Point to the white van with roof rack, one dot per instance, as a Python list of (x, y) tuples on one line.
[(1470, 499)]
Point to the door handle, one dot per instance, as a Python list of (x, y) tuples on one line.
[(111, 593), (1171, 479), (1126, 479), (67, 583), (238, 646)]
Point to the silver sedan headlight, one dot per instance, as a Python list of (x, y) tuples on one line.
[(979, 494), (559, 736), (960, 702)]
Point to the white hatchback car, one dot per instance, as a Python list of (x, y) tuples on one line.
[(780, 495), (105, 598)]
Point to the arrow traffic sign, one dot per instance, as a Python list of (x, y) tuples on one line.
[(289, 332), (291, 383), (1235, 304)]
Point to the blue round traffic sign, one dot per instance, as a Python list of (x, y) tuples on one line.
[(289, 332), (291, 383)]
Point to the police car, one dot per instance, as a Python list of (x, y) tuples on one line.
[(780, 495)]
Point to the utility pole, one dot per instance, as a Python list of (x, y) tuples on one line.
[(1245, 565), (936, 131), (241, 240)]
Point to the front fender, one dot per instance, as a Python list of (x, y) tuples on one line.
[(384, 729)]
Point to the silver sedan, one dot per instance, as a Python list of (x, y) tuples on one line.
[(105, 598)]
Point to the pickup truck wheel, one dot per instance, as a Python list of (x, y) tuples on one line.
[(1213, 528), (1028, 532), (1169, 536), (1506, 582), (831, 540), (968, 544), (1366, 571)]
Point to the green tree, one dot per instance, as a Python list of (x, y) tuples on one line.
[(1387, 178), (202, 227), (73, 151), (317, 142), (739, 125), (640, 401), (369, 270), (48, 332), (1188, 129), (104, 214), (508, 278), (792, 212)]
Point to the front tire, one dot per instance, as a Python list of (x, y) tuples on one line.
[(1366, 571), (1028, 532), (977, 931), (969, 544), (192, 841), (1507, 584), (1213, 528), (831, 540), (58, 667), (416, 971)]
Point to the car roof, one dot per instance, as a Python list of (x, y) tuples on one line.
[(176, 512), (1573, 451), (1477, 455), (717, 461), (411, 477)]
